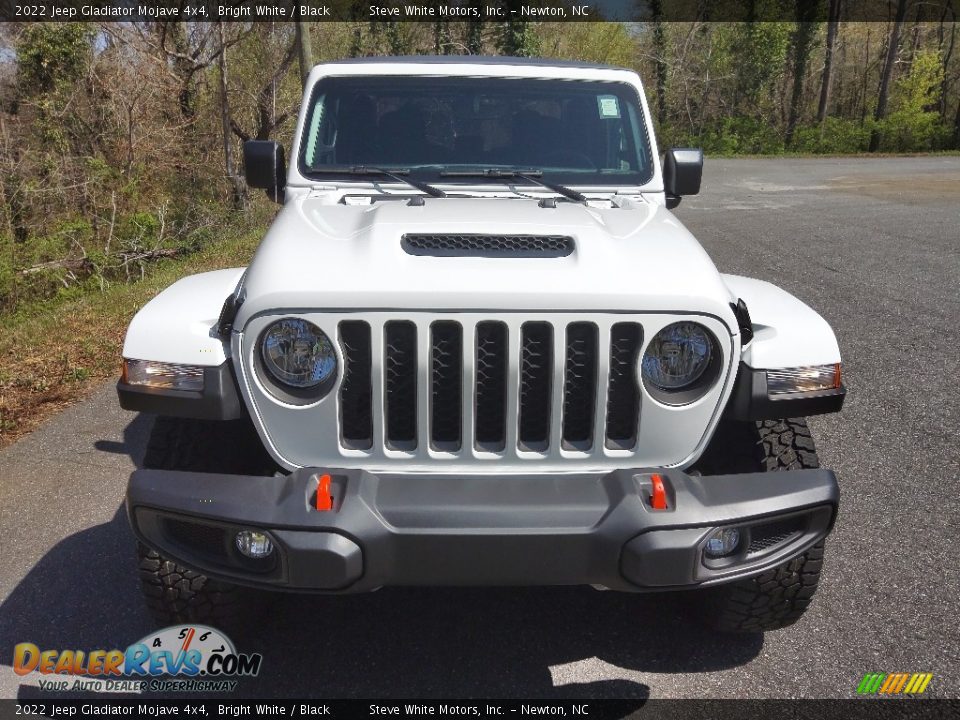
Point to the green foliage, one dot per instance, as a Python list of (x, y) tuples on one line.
[(754, 53), (837, 136), (608, 43), (915, 124), (50, 55), (729, 136), (519, 38)]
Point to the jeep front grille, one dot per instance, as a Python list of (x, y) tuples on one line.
[(449, 384), (477, 392)]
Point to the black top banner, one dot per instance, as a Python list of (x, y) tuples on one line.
[(580, 709), (471, 10)]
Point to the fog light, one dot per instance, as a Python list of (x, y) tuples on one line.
[(253, 544), (722, 543)]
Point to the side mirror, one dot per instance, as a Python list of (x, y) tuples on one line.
[(682, 171), (265, 167)]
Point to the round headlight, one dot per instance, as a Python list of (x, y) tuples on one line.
[(678, 356), (298, 354)]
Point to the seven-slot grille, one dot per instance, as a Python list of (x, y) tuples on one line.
[(449, 385)]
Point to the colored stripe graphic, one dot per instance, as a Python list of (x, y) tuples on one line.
[(898, 683), (894, 683), (870, 680)]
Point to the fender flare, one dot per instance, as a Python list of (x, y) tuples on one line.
[(787, 333), (180, 324)]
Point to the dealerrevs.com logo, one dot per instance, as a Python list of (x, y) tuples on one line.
[(181, 658)]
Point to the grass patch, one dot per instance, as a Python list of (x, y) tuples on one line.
[(53, 353)]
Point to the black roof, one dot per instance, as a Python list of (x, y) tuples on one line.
[(473, 60)]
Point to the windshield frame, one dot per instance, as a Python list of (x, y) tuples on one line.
[(578, 179)]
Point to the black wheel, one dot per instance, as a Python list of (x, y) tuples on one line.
[(780, 596), (175, 593)]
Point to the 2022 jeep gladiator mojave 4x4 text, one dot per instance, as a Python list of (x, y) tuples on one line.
[(476, 348)]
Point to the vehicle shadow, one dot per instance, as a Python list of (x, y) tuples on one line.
[(395, 643), (135, 436)]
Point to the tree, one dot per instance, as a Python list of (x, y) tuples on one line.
[(265, 116), (304, 51), (238, 187), (893, 47), (475, 30), (833, 23), (518, 37), (660, 60), (803, 37)]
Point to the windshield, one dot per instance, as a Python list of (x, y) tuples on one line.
[(575, 132)]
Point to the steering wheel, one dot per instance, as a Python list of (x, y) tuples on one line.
[(569, 158)]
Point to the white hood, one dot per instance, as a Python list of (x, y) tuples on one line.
[(320, 254)]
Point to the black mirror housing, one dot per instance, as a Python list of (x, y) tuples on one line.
[(682, 172), (265, 167)]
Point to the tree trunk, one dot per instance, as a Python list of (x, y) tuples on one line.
[(441, 38), (475, 32), (304, 51), (238, 189), (956, 128), (802, 43), (945, 84), (833, 23), (893, 48), (660, 50)]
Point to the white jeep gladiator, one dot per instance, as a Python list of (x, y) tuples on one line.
[(476, 348)]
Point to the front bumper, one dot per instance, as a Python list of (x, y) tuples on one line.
[(382, 530)]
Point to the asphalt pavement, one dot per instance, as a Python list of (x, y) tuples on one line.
[(871, 244)]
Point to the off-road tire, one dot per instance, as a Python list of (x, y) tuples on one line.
[(780, 596), (175, 593)]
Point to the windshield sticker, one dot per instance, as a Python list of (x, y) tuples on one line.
[(609, 107)]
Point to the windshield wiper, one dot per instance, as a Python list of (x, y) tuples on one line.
[(528, 175), (395, 174)]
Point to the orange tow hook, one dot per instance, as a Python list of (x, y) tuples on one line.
[(324, 498), (658, 494)]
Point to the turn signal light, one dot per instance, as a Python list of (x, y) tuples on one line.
[(163, 376), (813, 378)]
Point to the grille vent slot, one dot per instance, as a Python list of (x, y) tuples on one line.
[(446, 380), (623, 394), (491, 388), (580, 385), (536, 369), (400, 384), (356, 417)]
